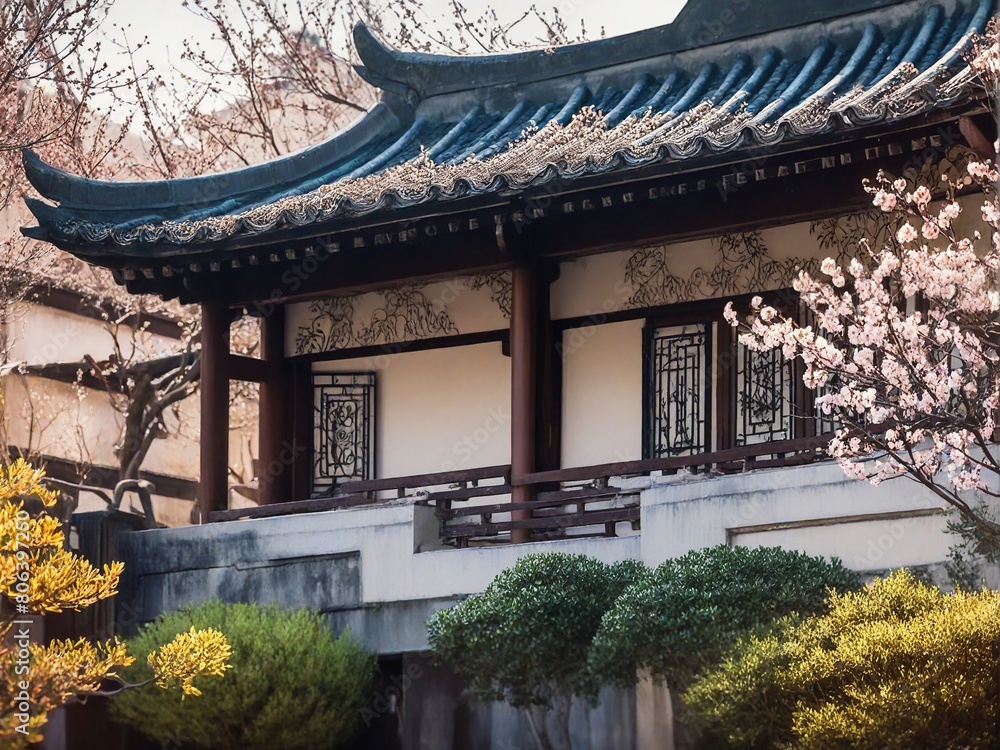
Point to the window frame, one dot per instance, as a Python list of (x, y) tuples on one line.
[(368, 395), (723, 360)]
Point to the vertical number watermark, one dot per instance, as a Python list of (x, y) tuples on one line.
[(22, 627)]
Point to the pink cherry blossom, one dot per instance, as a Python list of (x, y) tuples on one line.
[(903, 348), (885, 200), (906, 234)]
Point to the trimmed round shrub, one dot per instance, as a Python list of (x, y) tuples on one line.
[(684, 615), (895, 666), (525, 639), (293, 685)]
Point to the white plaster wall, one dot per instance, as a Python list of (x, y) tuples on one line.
[(602, 394), (865, 545), (680, 514), (595, 285), (439, 409), (81, 425), (76, 425), (590, 286), (677, 516), (390, 569), (179, 454), (39, 334)]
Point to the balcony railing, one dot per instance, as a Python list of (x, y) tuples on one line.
[(575, 502)]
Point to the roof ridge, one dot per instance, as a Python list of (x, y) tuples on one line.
[(701, 23), (72, 191)]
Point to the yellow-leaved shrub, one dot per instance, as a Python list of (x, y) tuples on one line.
[(899, 664), (38, 575)]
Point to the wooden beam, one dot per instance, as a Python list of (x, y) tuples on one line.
[(107, 477), (350, 270), (626, 468), (76, 303), (274, 475), (214, 482), (317, 505), (417, 481), (248, 369), (416, 345), (524, 367)]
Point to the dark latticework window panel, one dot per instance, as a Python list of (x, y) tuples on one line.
[(824, 423), (765, 397), (343, 429), (679, 385)]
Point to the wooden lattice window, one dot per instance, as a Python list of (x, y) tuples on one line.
[(343, 429)]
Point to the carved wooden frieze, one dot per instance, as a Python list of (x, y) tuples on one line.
[(401, 314)]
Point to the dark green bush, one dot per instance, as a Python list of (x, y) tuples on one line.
[(525, 639), (292, 684), (685, 614)]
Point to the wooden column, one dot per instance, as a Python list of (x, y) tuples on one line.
[(301, 409), (523, 367), (548, 410), (213, 491), (276, 454)]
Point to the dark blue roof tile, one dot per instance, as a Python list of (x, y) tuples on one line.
[(884, 64)]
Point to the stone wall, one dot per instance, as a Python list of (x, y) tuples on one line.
[(381, 572)]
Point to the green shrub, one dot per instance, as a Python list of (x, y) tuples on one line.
[(685, 614), (292, 684), (527, 636), (525, 639), (897, 665)]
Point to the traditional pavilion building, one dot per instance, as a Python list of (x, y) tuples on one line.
[(491, 311), (492, 308), (555, 232)]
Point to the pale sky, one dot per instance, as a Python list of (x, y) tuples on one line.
[(167, 23)]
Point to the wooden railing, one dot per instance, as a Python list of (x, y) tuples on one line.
[(576, 502), (463, 484), (458, 485), (581, 501)]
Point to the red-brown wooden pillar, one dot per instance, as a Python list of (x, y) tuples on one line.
[(524, 375), (213, 490), (275, 465)]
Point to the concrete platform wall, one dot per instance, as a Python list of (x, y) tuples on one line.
[(382, 572)]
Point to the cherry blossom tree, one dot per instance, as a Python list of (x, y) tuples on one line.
[(902, 344), (904, 348), (266, 77)]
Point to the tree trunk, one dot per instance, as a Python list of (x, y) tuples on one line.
[(140, 400), (551, 725), (684, 738), (536, 719), (560, 719)]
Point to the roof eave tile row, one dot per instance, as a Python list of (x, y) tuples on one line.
[(751, 105)]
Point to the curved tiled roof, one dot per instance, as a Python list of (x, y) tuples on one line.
[(882, 66)]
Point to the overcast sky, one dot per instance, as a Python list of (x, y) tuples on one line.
[(167, 23)]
